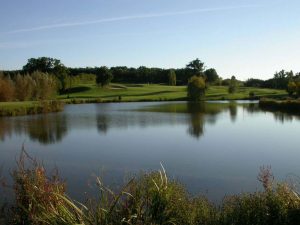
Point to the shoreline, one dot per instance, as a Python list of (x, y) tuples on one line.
[(13, 109)]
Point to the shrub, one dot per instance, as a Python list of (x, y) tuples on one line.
[(251, 94), (196, 88), (232, 85)]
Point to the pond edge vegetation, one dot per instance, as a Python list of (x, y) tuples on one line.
[(148, 198)]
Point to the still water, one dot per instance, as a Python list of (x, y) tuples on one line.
[(213, 148)]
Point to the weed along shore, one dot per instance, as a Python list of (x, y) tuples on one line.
[(288, 105), (30, 108), (149, 198)]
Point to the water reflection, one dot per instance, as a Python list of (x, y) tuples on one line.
[(48, 129), (198, 113), (45, 129), (53, 128), (279, 116), (208, 146)]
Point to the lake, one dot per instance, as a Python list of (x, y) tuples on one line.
[(213, 148)]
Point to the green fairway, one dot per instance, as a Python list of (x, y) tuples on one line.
[(154, 92), (91, 93)]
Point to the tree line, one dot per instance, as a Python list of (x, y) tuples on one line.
[(26, 84), (120, 74)]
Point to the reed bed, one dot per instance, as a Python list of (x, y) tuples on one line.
[(31, 108)]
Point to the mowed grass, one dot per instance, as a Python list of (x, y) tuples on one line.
[(154, 92), (90, 92)]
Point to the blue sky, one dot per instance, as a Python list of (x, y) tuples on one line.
[(237, 37)]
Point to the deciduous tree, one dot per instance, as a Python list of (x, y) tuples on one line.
[(104, 76), (196, 88)]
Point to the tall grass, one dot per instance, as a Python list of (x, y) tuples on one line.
[(16, 109), (150, 198)]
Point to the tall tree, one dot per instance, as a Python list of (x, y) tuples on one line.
[(211, 75), (24, 87), (172, 78), (6, 89), (104, 76), (232, 85), (42, 64), (196, 67), (62, 74)]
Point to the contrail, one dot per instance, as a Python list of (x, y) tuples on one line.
[(135, 17)]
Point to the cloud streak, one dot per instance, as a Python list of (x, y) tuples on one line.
[(124, 18)]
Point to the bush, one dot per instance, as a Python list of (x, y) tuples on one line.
[(232, 85), (251, 94), (196, 88)]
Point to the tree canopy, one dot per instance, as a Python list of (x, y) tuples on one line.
[(42, 64), (103, 76), (196, 66), (211, 75)]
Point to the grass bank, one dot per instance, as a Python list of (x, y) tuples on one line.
[(280, 105), (29, 108), (145, 199), (91, 93), (153, 92)]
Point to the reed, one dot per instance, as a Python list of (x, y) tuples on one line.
[(30, 108), (150, 198)]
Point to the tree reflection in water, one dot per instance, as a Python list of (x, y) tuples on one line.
[(52, 128), (46, 129)]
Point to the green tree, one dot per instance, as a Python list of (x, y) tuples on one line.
[(211, 75), (62, 74), (45, 85), (298, 88), (292, 87), (172, 78), (42, 64), (196, 88), (24, 86), (232, 85), (196, 67), (104, 76), (6, 89)]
